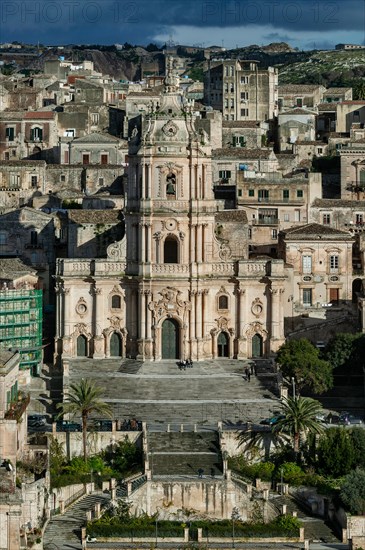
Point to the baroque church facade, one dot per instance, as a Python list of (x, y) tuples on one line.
[(179, 284)]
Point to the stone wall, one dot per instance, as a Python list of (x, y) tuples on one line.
[(97, 441)]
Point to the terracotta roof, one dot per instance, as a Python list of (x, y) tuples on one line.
[(315, 231), (96, 138), (297, 111), (94, 216), (338, 203), (233, 216), (241, 153), (298, 88), (240, 124), (327, 107), (21, 163), (352, 102), (13, 268), (336, 90), (40, 114)]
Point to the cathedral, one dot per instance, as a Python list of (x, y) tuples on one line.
[(180, 284)]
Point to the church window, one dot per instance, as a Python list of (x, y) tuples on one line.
[(116, 301), (223, 302), (171, 186), (171, 251)]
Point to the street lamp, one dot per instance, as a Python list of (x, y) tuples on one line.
[(234, 516), (293, 386)]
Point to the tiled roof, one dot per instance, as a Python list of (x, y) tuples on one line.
[(13, 268), (336, 90), (315, 231), (353, 102), (240, 124), (327, 107), (297, 88), (338, 203), (97, 138), (241, 153), (21, 163), (40, 115), (94, 216), (297, 111), (231, 216)]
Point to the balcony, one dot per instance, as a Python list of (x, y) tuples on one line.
[(18, 407)]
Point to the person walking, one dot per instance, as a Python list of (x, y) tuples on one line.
[(248, 374)]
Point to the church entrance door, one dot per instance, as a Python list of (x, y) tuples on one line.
[(115, 345), (170, 339), (81, 346), (223, 345), (257, 345)]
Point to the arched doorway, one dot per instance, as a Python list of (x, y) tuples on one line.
[(356, 289), (170, 339), (257, 345), (115, 345), (81, 346), (223, 345)]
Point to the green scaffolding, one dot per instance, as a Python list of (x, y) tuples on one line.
[(21, 325)]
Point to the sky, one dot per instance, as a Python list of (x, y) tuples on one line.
[(305, 24)]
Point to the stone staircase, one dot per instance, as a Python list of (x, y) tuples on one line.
[(315, 528), (64, 531), (177, 454)]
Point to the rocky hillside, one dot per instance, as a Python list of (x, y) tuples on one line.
[(331, 68)]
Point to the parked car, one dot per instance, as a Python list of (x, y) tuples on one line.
[(68, 426), (347, 419), (91, 539), (37, 420), (103, 425), (272, 420)]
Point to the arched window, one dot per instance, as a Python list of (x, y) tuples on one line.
[(171, 186), (223, 302), (171, 251), (116, 301)]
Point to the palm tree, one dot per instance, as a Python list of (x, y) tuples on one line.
[(263, 437), (84, 399), (300, 417)]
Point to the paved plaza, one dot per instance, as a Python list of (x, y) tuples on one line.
[(160, 393)]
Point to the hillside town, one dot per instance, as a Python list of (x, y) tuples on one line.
[(163, 240)]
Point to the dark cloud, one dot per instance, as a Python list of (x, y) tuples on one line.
[(138, 21)]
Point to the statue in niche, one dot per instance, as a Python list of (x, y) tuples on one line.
[(171, 185)]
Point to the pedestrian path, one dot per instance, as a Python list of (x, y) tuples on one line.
[(159, 392), (64, 531)]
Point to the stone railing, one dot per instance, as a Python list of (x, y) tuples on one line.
[(74, 267), (170, 268), (103, 268), (223, 268)]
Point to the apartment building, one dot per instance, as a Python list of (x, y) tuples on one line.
[(241, 90)]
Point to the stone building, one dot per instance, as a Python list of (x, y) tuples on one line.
[(241, 90), (307, 96), (353, 171), (28, 134), (321, 258), (180, 283), (273, 203), (295, 125)]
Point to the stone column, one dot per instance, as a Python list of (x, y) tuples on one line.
[(193, 315), (149, 314), (199, 243), (199, 318), (141, 242), (204, 311), (204, 255), (193, 243), (142, 314), (241, 295), (99, 351), (275, 313), (149, 242)]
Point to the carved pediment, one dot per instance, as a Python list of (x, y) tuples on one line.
[(117, 250), (170, 304)]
